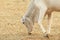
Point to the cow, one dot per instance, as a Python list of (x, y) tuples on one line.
[(45, 7)]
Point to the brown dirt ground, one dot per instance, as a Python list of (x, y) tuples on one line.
[(11, 11)]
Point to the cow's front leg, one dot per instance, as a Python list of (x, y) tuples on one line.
[(29, 28), (29, 25), (43, 10)]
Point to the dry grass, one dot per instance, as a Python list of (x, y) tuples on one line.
[(11, 28)]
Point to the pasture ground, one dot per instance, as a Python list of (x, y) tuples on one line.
[(11, 12)]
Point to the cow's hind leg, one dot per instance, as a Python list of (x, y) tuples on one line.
[(49, 22), (49, 13)]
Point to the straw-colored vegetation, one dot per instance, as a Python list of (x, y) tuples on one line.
[(11, 28)]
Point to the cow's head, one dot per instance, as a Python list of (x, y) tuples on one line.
[(26, 21), (23, 20)]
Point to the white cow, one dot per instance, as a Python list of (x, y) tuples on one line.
[(45, 7)]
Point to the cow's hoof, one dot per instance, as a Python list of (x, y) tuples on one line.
[(23, 22), (29, 33), (46, 35)]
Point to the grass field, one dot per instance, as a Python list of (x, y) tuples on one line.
[(11, 12)]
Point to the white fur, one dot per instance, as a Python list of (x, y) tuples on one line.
[(45, 7)]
